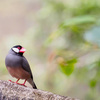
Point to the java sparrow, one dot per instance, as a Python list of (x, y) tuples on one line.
[(18, 66)]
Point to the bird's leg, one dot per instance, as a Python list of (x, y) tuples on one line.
[(20, 83), (11, 81), (17, 81), (24, 83)]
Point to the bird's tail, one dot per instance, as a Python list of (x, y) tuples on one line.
[(30, 80)]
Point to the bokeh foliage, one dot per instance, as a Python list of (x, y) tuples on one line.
[(68, 25)]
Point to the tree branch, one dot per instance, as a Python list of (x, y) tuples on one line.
[(12, 91)]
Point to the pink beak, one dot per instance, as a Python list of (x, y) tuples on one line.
[(22, 50)]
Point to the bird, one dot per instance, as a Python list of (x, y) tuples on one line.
[(18, 66)]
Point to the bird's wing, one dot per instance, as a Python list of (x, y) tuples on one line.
[(26, 66)]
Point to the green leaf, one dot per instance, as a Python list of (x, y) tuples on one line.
[(93, 83), (78, 20), (68, 67), (67, 70), (72, 61), (67, 23)]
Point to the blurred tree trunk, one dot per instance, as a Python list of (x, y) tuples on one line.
[(11, 91)]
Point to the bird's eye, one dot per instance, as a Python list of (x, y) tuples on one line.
[(18, 48)]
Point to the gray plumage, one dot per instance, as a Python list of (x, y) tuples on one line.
[(17, 60)]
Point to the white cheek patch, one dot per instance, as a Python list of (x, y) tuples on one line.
[(16, 50)]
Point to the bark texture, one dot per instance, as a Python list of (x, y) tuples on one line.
[(12, 91)]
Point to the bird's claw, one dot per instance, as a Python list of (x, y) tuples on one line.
[(17, 83), (21, 84), (11, 81)]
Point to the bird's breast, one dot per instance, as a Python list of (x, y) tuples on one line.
[(18, 72), (13, 60)]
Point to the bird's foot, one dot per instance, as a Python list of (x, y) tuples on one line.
[(21, 84), (18, 83), (11, 81)]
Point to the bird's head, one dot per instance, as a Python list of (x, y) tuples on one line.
[(18, 49)]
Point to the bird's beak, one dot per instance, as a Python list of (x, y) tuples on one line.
[(22, 50)]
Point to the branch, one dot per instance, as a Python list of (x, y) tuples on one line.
[(12, 91)]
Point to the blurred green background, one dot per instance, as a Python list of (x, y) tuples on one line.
[(62, 39)]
